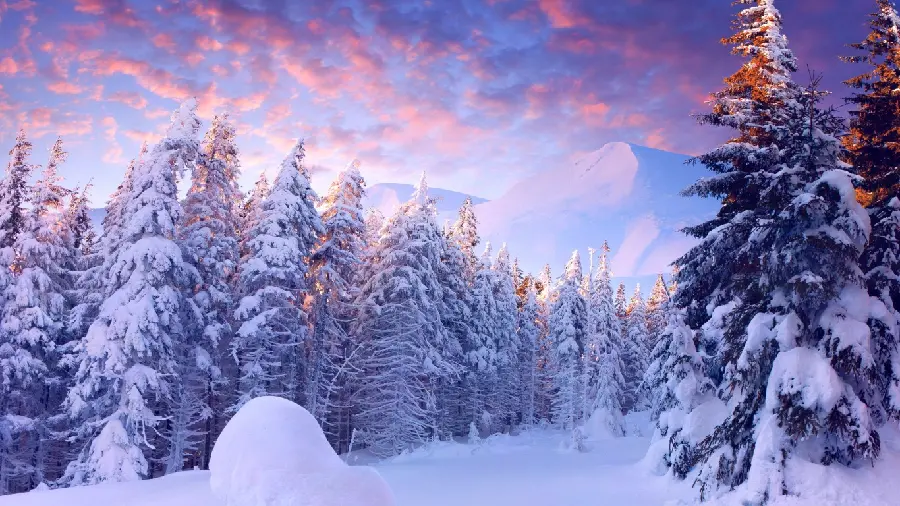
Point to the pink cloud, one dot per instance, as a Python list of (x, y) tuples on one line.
[(64, 88), (8, 66), (130, 98)]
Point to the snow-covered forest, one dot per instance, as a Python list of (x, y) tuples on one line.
[(773, 342)]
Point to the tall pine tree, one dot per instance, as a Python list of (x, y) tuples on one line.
[(126, 363), (873, 148)]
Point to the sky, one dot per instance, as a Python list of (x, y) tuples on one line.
[(479, 94)]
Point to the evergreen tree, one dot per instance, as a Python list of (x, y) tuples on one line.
[(31, 331), (508, 347), (656, 316), (406, 345), (465, 231), (528, 332), (567, 335), (635, 352), (621, 303), (333, 264), (746, 106), (873, 148), (88, 293), (126, 363), (606, 382), (456, 314), (13, 194), (271, 316), (677, 384), (208, 237), (777, 271), (544, 380), (251, 210), (482, 356)]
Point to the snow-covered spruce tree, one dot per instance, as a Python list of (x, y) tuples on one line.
[(126, 362), (269, 343), (621, 303), (482, 355), (333, 264), (33, 317), (745, 105), (567, 334), (635, 353), (208, 238), (456, 313), (677, 384), (14, 192), (656, 314), (88, 291), (79, 228), (603, 362), (465, 232), (528, 331), (796, 357), (251, 209), (406, 346), (543, 287), (873, 148), (509, 388)]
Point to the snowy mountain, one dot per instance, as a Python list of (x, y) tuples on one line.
[(623, 193), (387, 197)]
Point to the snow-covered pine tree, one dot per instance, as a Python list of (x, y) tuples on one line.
[(406, 344), (656, 314), (465, 233), (251, 209), (208, 238), (79, 228), (745, 106), (33, 317), (272, 318), (509, 388), (126, 362), (482, 355), (635, 352), (677, 384), (567, 335), (780, 274), (603, 362), (14, 192), (528, 331), (621, 303), (543, 287), (333, 266), (873, 147), (456, 313)]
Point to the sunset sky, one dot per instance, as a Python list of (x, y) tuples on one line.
[(478, 93)]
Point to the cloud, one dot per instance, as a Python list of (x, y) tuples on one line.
[(65, 88), (130, 98)]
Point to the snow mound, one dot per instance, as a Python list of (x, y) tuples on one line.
[(603, 425), (273, 453)]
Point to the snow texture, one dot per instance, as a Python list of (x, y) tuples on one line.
[(273, 453)]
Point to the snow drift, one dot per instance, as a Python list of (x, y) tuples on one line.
[(273, 453)]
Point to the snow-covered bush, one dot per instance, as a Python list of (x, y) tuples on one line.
[(273, 453)]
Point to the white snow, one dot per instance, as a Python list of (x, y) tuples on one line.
[(273, 453), (530, 469)]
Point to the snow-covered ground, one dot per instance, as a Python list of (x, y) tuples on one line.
[(530, 469)]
